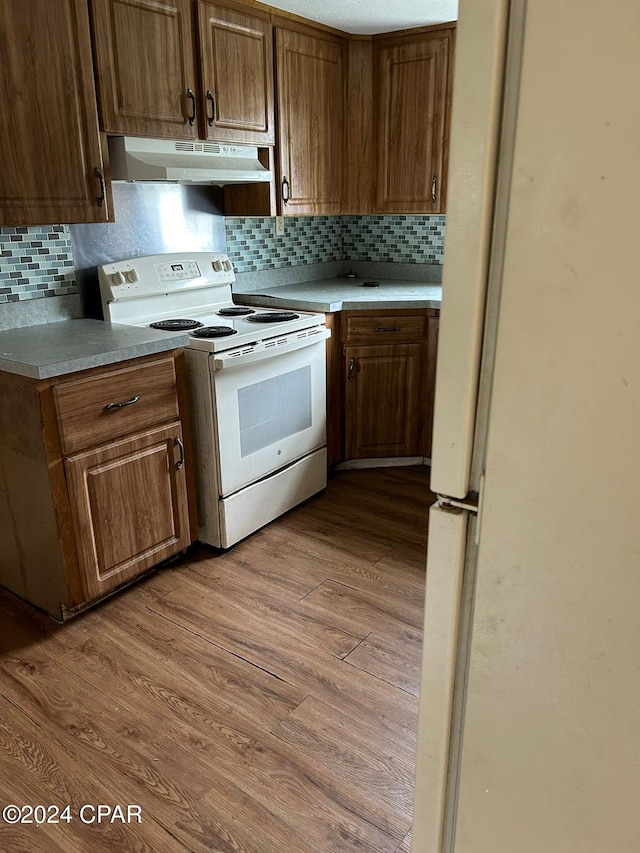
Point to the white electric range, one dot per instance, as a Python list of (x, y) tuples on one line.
[(257, 386)]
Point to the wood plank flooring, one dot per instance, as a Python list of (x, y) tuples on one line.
[(259, 701)]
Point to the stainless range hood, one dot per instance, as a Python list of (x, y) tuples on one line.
[(184, 162)]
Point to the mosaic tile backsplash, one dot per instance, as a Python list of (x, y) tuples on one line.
[(399, 239), (35, 262), (253, 245)]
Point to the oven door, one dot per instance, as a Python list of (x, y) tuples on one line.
[(270, 406)]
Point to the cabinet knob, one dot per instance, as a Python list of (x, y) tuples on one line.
[(434, 188), (192, 98), (285, 184), (100, 199), (211, 118), (177, 442), (352, 364)]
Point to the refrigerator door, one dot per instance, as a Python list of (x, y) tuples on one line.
[(550, 755), (445, 572), (475, 126)]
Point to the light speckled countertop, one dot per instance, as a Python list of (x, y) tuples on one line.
[(342, 294), (54, 349)]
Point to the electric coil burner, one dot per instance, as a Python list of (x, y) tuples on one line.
[(179, 325), (273, 317), (237, 311), (214, 332)]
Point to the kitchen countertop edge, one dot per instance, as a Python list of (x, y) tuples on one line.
[(48, 350), (333, 295)]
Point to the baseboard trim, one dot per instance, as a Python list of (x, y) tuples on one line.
[(383, 462)]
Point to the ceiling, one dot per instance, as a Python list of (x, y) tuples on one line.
[(366, 17)]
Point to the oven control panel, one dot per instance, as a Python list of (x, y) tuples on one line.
[(178, 270)]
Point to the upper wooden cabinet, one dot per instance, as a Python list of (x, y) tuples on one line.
[(236, 51), (412, 77), (156, 79), (145, 67), (51, 164), (310, 108)]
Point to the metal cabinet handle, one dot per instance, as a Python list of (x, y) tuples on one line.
[(352, 364), (285, 183), (386, 329), (177, 442), (192, 98), (100, 177), (111, 406), (434, 188), (212, 117)]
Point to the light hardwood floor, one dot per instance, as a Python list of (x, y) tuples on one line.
[(259, 701)]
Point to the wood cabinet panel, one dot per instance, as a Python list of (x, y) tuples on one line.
[(145, 67), (129, 505), (50, 149), (84, 416), (385, 328), (237, 75), (430, 382), (383, 400), (310, 102), (412, 81)]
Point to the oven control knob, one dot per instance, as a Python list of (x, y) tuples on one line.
[(217, 265), (132, 276), (118, 278), (228, 265)]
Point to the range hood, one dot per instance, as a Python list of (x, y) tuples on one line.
[(184, 162)]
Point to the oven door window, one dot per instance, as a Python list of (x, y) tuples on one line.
[(269, 414), (274, 409)]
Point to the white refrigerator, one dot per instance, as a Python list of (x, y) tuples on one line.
[(529, 730)]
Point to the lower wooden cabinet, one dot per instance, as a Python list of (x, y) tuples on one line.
[(381, 389), (129, 506), (87, 505), (382, 400)]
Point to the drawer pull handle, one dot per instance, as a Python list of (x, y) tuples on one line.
[(177, 442), (110, 407), (387, 329)]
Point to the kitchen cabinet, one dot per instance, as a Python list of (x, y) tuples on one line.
[(145, 67), (236, 53), (388, 374), (412, 78), (50, 148), (310, 111), (158, 75), (97, 483)]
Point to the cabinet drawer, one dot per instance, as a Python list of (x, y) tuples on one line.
[(109, 405), (385, 329)]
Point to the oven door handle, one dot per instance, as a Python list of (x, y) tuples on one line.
[(269, 348)]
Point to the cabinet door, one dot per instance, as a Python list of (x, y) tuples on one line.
[(129, 503), (50, 157), (430, 381), (237, 75), (145, 67), (412, 85), (383, 401), (310, 96)]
